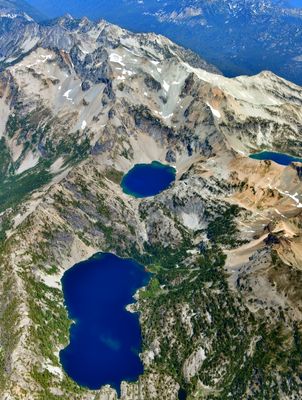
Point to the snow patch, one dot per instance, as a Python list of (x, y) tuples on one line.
[(167, 116), (215, 112), (67, 93), (14, 16), (166, 86), (116, 58), (292, 196), (127, 72)]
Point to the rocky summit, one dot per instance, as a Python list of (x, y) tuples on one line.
[(81, 103)]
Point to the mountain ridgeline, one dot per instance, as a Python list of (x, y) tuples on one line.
[(238, 36), (81, 104)]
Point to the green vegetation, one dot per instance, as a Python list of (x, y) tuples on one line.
[(152, 290), (114, 175), (49, 327), (15, 123), (167, 256), (5, 225), (275, 350), (248, 352), (14, 189), (222, 230), (52, 270), (187, 304), (49, 331), (5, 158), (9, 318), (73, 148)]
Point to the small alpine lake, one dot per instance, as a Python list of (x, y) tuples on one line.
[(182, 394), (105, 338), (145, 180), (279, 158)]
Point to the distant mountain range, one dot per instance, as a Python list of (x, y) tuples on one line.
[(20, 6), (238, 36)]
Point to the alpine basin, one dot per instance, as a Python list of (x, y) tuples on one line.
[(145, 180), (105, 339)]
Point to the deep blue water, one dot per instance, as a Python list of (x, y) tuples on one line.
[(145, 180), (105, 339), (280, 158), (182, 394)]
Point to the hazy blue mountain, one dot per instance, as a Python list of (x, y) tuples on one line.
[(20, 6)]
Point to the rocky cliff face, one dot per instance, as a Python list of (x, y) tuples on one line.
[(81, 103)]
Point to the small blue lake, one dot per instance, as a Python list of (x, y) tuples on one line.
[(145, 180), (182, 394), (105, 339), (279, 158)]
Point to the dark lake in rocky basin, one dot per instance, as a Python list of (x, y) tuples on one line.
[(279, 158), (105, 339), (145, 180)]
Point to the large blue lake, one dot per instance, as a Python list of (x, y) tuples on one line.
[(280, 158), (105, 339), (145, 180)]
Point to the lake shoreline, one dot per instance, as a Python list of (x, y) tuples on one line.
[(280, 158), (105, 339)]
